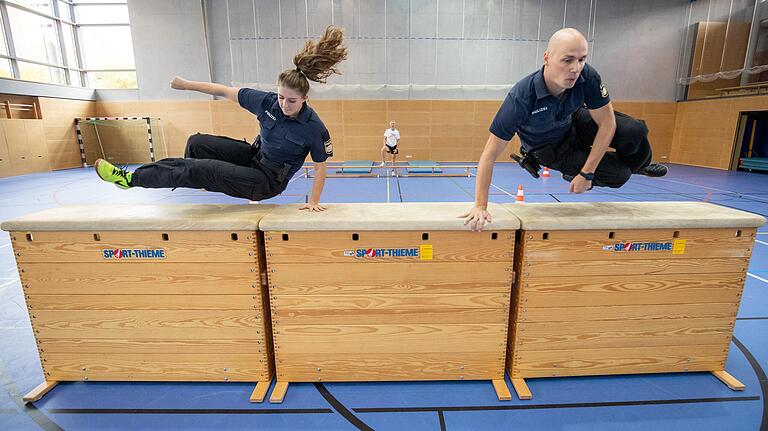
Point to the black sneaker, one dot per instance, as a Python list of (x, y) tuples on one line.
[(654, 170)]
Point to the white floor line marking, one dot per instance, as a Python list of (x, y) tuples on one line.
[(304, 175), (761, 242), (16, 279), (759, 278), (499, 188), (496, 187), (696, 185), (290, 181)]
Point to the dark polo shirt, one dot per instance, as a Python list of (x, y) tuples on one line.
[(286, 140), (540, 118)]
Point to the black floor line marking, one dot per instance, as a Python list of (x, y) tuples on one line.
[(461, 188), (753, 199), (189, 411), (664, 190), (441, 417), (728, 206), (30, 410), (760, 377), (660, 192), (688, 195), (555, 406), (41, 419), (341, 409), (723, 191)]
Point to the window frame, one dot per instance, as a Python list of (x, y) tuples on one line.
[(58, 23)]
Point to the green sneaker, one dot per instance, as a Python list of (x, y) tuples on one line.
[(113, 174)]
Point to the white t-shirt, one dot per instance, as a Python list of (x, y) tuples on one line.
[(392, 137)]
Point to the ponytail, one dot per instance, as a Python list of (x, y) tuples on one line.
[(316, 61)]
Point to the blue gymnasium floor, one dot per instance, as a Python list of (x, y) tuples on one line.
[(695, 401)]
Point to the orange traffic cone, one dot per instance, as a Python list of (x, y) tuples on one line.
[(545, 172), (520, 198)]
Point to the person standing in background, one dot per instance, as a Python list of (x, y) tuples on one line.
[(391, 139)]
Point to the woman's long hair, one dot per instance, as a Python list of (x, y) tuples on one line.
[(316, 61)]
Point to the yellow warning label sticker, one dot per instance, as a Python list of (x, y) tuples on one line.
[(425, 252), (678, 247)]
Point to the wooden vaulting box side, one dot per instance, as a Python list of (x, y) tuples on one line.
[(391, 297), (614, 299), (613, 324), (153, 293)]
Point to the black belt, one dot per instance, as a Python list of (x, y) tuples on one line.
[(280, 171)]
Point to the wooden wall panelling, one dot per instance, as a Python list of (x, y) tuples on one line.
[(25, 143), (5, 154), (705, 130), (719, 46), (59, 122)]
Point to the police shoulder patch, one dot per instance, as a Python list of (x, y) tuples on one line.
[(603, 90)]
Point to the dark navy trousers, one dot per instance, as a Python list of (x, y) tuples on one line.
[(630, 142), (217, 164)]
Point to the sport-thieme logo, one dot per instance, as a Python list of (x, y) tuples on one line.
[(642, 246), (386, 252), (133, 254)]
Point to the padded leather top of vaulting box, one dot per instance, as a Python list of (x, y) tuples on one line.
[(141, 217), (630, 215), (383, 216)]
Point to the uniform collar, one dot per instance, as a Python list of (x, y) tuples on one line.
[(541, 87), (304, 114)]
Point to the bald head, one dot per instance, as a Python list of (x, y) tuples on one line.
[(566, 37), (564, 60)]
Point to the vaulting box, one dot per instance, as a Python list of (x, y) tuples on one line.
[(388, 292), (625, 288), (146, 293)]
